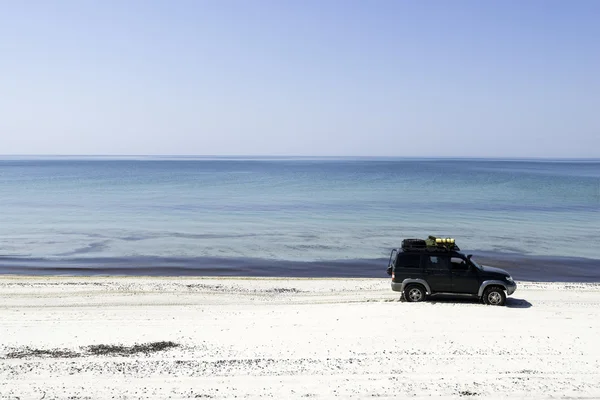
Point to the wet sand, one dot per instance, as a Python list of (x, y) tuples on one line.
[(521, 267), (136, 337)]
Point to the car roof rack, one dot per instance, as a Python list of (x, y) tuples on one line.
[(431, 244)]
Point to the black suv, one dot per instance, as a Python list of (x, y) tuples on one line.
[(421, 268)]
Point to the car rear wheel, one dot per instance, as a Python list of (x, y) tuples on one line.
[(414, 293), (494, 296)]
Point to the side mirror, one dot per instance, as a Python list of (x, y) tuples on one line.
[(469, 256)]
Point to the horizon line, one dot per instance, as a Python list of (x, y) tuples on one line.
[(264, 156)]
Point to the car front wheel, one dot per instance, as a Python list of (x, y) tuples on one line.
[(494, 296)]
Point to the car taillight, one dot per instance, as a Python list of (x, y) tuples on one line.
[(393, 275)]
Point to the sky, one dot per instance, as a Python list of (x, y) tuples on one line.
[(312, 77)]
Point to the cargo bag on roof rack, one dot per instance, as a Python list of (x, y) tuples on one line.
[(432, 243), (413, 244)]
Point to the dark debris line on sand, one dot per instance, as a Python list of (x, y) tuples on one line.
[(100, 349), (52, 353), (146, 348)]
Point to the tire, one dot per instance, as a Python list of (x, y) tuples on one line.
[(414, 293), (494, 296)]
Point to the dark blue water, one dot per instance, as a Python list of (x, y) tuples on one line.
[(300, 217)]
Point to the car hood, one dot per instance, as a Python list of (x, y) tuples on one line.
[(494, 270)]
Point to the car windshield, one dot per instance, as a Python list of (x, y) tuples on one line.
[(475, 263)]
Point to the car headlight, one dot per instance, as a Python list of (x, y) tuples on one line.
[(510, 279)]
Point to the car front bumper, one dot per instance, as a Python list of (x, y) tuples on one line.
[(511, 288)]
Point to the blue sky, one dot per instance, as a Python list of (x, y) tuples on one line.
[(340, 78)]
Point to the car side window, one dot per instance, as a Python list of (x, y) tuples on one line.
[(408, 261), (437, 262), (459, 264)]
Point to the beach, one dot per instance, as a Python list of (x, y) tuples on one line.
[(149, 337)]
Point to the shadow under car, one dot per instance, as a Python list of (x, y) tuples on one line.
[(511, 302)]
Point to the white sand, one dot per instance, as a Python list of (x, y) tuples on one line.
[(295, 338)]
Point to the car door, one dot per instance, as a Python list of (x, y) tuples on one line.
[(392, 262), (437, 272), (465, 278)]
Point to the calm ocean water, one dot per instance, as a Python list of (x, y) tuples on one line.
[(232, 215)]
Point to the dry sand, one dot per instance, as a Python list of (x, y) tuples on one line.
[(291, 338)]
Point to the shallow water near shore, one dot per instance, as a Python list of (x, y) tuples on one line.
[(293, 216)]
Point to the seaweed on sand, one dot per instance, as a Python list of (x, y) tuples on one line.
[(99, 349), (49, 353), (146, 348)]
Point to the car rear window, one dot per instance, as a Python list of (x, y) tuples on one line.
[(408, 261)]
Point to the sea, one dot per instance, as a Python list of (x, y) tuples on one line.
[(298, 216)]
